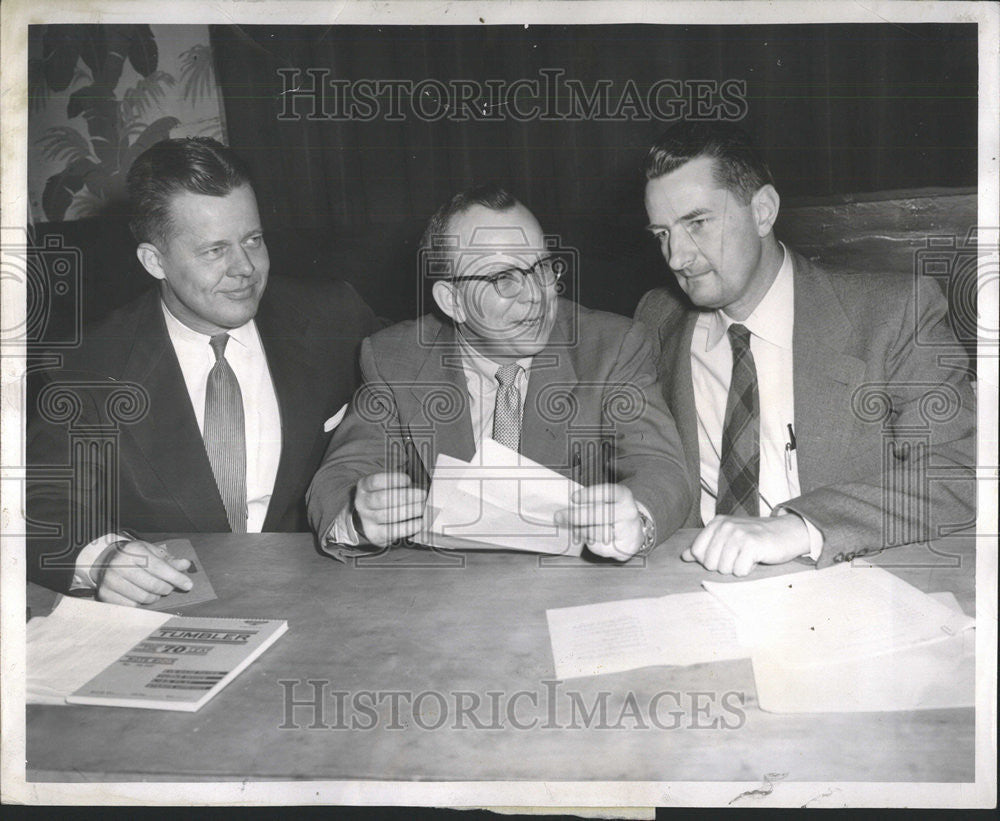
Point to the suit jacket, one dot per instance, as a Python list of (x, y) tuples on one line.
[(884, 407), (591, 412), (146, 468)]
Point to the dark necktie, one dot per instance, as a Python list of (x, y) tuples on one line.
[(739, 466), (225, 436), (507, 414)]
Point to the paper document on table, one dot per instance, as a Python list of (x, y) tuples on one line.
[(934, 675), (841, 613), (76, 641), (682, 629), (500, 500)]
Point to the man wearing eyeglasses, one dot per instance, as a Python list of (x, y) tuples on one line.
[(570, 388)]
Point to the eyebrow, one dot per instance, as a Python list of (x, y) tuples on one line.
[(690, 215), (217, 242)]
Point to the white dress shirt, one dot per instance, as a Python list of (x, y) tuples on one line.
[(245, 355), (770, 325)]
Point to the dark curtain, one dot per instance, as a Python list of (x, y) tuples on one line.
[(837, 108)]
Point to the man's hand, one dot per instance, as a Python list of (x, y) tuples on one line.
[(737, 544), (606, 519), (389, 508), (136, 572)]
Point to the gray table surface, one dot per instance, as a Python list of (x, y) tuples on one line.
[(400, 643)]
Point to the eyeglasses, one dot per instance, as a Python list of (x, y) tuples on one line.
[(511, 281)]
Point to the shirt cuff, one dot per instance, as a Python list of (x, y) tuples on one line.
[(85, 561), (815, 534), (342, 531)]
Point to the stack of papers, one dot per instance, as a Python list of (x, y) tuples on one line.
[(500, 500), (844, 639), (852, 639)]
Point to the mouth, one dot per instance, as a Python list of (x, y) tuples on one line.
[(688, 276), (239, 293)]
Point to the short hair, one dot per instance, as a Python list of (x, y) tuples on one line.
[(199, 165), (739, 165), (491, 196)]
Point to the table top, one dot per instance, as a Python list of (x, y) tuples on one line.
[(425, 665)]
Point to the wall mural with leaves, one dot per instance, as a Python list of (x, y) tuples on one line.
[(99, 95)]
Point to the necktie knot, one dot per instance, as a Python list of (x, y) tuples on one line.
[(507, 375), (739, 337), (218, 343)]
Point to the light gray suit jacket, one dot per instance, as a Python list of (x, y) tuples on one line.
[(592, 411), (884, 407)]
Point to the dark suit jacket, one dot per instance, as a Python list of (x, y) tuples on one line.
[(884, 407), (593, 386), (145, 468)]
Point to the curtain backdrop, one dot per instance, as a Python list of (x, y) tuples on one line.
[(837, 108)]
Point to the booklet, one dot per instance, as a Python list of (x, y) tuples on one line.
[(181, 664)]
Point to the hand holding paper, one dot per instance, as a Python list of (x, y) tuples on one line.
[(606, 519), (389, 507)]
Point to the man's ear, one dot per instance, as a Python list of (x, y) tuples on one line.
[(446, 297), (149, 256), (765, 204)]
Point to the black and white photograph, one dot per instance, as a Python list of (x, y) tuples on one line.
[(584, 406)]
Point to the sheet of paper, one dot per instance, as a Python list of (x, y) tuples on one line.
[(501, 500), (682, 629), (937, 674), (77, 640), (841, 613)]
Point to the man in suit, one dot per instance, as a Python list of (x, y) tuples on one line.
[(206, 398), (509, 360), (824, 414)]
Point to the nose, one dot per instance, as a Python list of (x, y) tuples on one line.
[(241, 264), (682, 250), (531, 289)]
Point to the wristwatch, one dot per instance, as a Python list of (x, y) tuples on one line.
[(648, 535)]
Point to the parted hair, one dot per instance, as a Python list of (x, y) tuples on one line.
[(199, 165), (739, 165)]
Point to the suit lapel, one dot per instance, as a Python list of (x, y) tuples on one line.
[(825, 376), (284, 337), (676, 333), (438, 383), (542, 439), (168, 436)]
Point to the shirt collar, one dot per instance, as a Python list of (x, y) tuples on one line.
[(772, 319), (181, 334), (482, 365)]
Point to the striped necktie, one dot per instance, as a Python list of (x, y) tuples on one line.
[(225, 435), (507, 414), (739, 466)]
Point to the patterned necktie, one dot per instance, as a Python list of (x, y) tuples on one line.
[(739, 467), (225, 436), (507, 415)]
